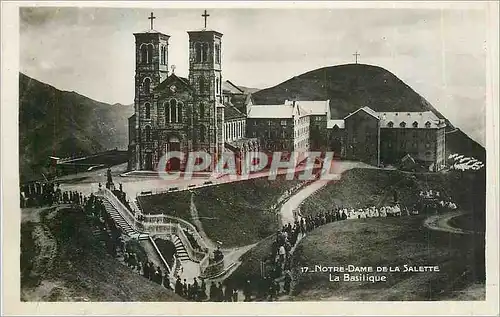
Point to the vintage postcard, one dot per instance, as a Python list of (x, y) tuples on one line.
[(322, 158)]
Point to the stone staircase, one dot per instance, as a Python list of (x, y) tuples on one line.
[(181, 252), (118, 219)]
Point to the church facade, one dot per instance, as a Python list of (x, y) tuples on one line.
[(176, 114)]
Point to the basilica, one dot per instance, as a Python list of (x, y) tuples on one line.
[(173, 113)]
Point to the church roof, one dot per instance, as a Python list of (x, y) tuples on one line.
[(171, 79), (151, 31), (205, 30), (240, 101), (426, 119), (231, 112), (231, 88)]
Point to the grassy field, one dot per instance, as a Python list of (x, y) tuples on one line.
[(367, 187), (238, 214), (388, 242), (61, 260), (175, 204), (235, 214)]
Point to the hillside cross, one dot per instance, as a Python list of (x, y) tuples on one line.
[(205, 15), (151, 17), (356, 55)]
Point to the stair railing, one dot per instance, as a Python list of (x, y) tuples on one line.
[(123, 211), (161, 255), (194, 255)]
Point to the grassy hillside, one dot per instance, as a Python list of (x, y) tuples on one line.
[(366, 187), (62, 123), (61, 260), (390, 242), (348, 87)]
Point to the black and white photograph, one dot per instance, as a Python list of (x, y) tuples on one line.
[(202, 153)]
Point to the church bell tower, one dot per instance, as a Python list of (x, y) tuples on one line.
[(205, 75), (151, 68)]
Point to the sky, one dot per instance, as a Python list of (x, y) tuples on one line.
[(440, 53)]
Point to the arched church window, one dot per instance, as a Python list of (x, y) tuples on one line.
[(202, 131), (217, 53), (144, 54), (202, 84), (167, 112), (202, 110), (150, 54), (148, 133), (179, 111), (163, 55), (390, 124), (147, 86), (147, 108), (173, 110), (415, 124), (427, 124), (402, 124), (205, 52), (197, 49)]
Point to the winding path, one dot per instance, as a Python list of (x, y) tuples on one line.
[(441, 223), (338, 167)]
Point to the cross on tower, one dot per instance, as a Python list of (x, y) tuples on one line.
[(205, 16), (356, 56), (151, 17)]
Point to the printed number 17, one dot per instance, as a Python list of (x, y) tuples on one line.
[(304, 269)]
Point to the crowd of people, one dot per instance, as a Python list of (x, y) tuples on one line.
[(48, 194), (200, 291)]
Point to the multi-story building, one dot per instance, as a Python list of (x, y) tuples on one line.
[(381, 138)]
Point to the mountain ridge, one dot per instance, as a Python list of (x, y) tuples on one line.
[(54, 122)]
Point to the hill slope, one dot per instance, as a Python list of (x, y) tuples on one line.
[(348, 87), (63, 260), (352, 86), (62, 123)]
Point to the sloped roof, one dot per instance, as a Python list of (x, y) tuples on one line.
[(409, 119), (270, 111), (239, 101), (150, 31), (331, 123), (368, 110), (228, 86), (312, 107), (231, 112), (171, 79)]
